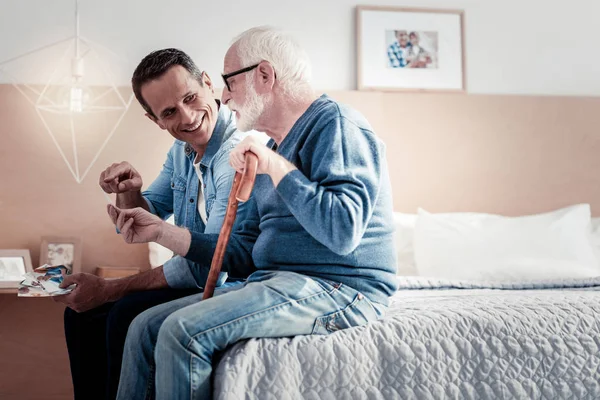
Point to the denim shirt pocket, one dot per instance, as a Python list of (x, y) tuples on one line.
[(359, 312), (178, 185), (210, 201)]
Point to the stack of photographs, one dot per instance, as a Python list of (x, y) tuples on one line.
[(44, 282)]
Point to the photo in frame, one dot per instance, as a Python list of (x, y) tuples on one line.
[(56, 250), (410, 49), (13, 265)]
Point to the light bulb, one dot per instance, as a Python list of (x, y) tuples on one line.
[(76, 99)]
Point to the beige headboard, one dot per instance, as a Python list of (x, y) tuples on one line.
[(503, 154)]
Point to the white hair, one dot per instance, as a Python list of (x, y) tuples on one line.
[(289, 60)]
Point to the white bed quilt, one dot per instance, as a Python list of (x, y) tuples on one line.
[(440, 340)]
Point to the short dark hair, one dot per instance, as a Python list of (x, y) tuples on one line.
[(155, 64)]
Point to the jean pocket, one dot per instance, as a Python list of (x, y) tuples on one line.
[(359, 312)]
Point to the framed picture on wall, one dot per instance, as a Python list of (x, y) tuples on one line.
[(13, 265), (65, 251), (410, 49)]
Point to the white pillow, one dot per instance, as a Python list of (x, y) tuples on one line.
[(595, 235), (487, 247), (405, 232), (403, 236)]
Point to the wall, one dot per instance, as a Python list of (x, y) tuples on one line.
[(511, 155), (40, 197), (512, 46)]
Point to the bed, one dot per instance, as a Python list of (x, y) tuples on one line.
[(445, 338), (440, 339)]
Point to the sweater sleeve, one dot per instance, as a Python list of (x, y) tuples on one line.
[(237, 261), (333, 192)]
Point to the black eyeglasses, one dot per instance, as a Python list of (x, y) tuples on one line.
[(234, 73)]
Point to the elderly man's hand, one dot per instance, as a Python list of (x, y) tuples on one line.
[(91, 292), (269, 162), (237, 157), (136, 224)]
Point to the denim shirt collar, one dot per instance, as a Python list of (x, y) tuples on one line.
[(225, 120)]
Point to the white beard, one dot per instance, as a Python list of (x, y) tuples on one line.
[(252, 110)]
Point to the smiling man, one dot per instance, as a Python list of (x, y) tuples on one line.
[(193, 185)]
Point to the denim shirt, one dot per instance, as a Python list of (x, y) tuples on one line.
[(175, 191)]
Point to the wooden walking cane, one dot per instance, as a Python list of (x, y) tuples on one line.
[(240, 191)]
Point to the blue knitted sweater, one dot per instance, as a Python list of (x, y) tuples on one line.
[(331, 218)]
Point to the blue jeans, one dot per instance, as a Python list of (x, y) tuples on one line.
[(95, 340), (184, 335)]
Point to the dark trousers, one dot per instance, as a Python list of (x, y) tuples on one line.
[(95, 340)]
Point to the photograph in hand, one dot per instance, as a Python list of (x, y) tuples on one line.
[(44, 282)]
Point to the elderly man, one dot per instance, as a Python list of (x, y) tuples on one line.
[(317, 239), (193, 186)]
